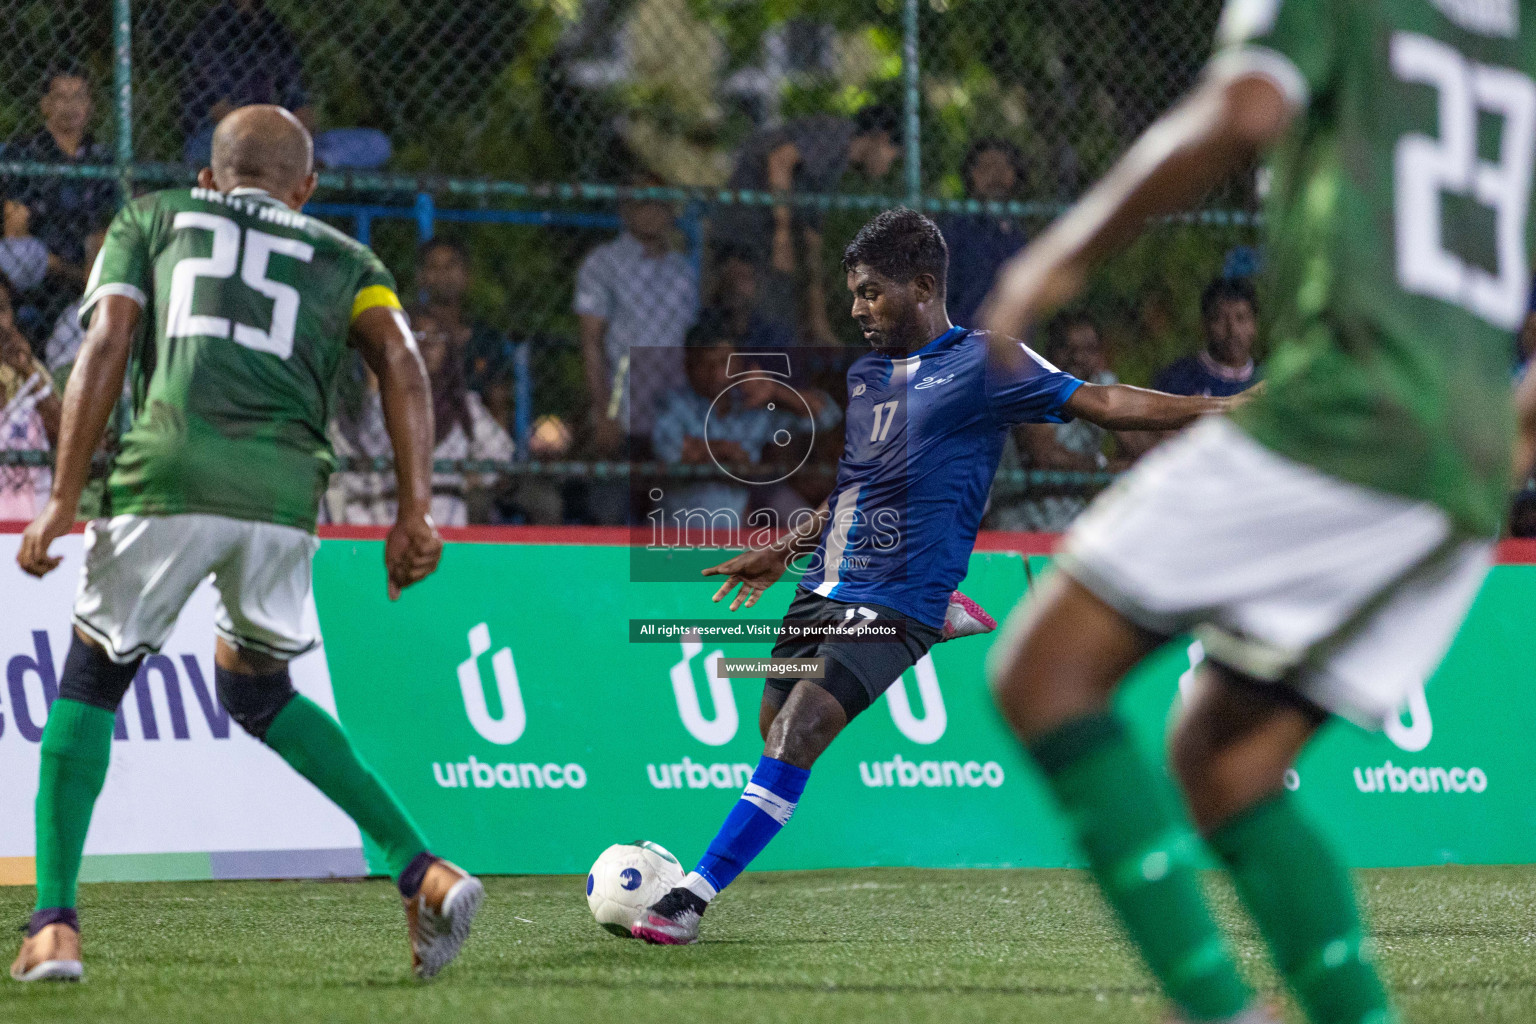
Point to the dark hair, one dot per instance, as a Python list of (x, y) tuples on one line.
[(64, 69), (1227, 289), (712, 328), (986, 144), (900, 244), (878, 117), (1063, 324), (439, 242)]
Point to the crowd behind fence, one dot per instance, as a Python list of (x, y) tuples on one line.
[(557, 184)]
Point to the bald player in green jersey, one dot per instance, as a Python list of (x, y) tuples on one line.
[(1326, 541), (237, 312)]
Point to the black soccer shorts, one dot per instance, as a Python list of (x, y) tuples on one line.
[(858, 671)]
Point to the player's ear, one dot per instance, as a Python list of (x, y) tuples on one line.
[(205, 178), (924, 287), (307, 189)]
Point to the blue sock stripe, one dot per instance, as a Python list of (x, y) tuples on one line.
[(764, 807)]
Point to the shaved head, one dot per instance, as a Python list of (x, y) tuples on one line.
[(262, 145)]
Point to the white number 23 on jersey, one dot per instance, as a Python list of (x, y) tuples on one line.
[(1424, 168), (181, 322)]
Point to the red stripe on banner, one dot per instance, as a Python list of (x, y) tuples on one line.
[(1512, 551)]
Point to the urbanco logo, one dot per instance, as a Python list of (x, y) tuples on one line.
[(930, 728), (721, 729), (514, 718)]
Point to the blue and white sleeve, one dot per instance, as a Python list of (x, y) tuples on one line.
[(1034, 392)]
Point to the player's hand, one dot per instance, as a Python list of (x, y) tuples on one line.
[(411, 552), (754, 571), (54, 522)]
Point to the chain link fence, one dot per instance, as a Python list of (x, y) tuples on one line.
[(555, 183)]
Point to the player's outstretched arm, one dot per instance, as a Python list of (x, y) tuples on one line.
[(1212, 133), (1122, 407), (94, 386), (413, 547), (757, 570)]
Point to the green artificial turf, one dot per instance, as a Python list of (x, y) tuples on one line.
[(881, 945)]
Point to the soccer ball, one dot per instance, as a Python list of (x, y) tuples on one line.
[(626, 879)]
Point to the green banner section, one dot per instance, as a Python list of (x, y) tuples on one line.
[(504, 702)]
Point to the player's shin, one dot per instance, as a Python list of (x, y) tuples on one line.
[(75, 751), (764, 808), (315, 745), (1300, 895), (1141, 853)]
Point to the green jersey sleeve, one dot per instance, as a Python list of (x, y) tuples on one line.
[(123, 266), (375, 286), (1291, 42)]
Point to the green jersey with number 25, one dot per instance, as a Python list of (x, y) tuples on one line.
[(247, 306), (1398, 234)]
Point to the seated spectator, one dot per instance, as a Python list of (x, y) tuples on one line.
[(63, 343), (1229, 315), (808, 154), (442, 287), (59, 212), (980, 243), (465, 430), (757, 304), (30, 411), (742, 421), (238, 53), (360, 497), (635, 300), (23, 256), (1076, 346)]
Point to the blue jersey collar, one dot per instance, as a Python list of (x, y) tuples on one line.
[(944, 340)]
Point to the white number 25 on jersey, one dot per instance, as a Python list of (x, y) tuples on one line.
[(181, 322), (1424, 168)]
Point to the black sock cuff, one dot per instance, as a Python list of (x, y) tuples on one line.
[(52, 915), (411, 878), (90, 677), (1068, 744), (254, 701)]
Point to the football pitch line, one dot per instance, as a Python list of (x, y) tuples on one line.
[(877, 945)]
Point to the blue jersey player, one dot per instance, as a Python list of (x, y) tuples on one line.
[(927, 416)]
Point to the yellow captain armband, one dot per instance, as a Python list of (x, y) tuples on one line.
[(374, 295)]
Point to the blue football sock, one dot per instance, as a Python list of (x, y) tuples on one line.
[(764, 808)]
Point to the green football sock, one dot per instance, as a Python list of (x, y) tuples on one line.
[(1142, 855), (1301, 898), (76, 748), (316, 746)]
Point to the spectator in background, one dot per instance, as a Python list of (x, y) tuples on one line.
[(63, 343), (742, 419), (1229, 315), (23, 256), (30, 411), (980, 243), (632, 293), (465, 430), (808, 154), (442, 286), (360, 497), (756, 304), (1076, 346), (238, 53), (58, 212)]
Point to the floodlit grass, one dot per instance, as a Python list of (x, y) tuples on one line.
[(882, 945)]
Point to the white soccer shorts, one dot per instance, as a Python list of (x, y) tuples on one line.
[(1349, 595), (140, 571)]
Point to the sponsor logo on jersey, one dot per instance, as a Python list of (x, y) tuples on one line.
[(858, 389), (932, 382)]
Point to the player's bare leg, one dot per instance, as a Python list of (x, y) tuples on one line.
[(440, 899), (797, 730), (1060, 659), (1230, 750)]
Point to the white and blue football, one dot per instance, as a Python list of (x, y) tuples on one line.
[(626, 879)]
